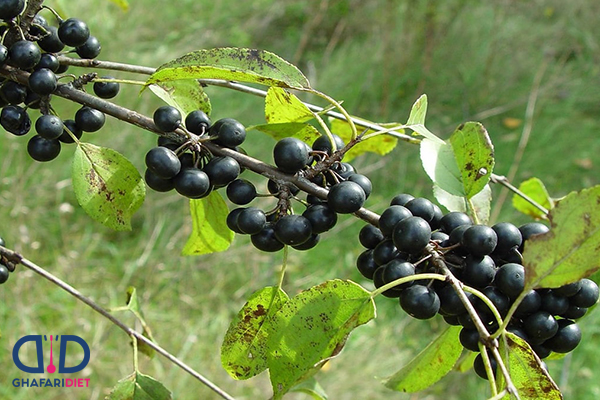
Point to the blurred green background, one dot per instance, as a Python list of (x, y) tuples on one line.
[(483, 61)]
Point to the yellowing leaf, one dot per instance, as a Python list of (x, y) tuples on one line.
[(380, 144), (185, 95), (283, 106), (535, 189)]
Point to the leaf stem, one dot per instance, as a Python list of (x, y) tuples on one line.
[(488, 369), (487, 302), (502, 180), (18, 258), (400, 281), (283, 267), (135, 354)]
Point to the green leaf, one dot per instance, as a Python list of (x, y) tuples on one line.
[(186, 95), (244, 348), (134, 306), (480, 203), (138, 386), (430, 365), (232, 64), (535, 189), (416, 119), (463, 165), (311, 328), (380, 144), (124, 4), (312, 388), (210, 233), (107, 185), (529, 378), (283, 106), (568, 252), (305, 132)]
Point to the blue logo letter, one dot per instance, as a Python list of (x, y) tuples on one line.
[(40, 357), (63, 351)]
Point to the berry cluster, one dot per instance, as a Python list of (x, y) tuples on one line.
[(485, 258), (189, 167), (4, 270), (271, 230), (36, 53)]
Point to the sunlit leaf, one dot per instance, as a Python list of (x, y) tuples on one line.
[(311, 328), (283, 106), (430, 365), (570, 250), (416, 119), (107, 186), (244, 348), (380, 144), (535, 189), (134, 306), (185, 95), (138, 386), (299, 130), (210, 233), (232, 64)]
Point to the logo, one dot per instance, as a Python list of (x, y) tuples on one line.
[(51, 368)]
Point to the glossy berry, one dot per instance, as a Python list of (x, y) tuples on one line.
[(587, 295), (197, 122), (321, 217), (510, 279), (390, 217), (479, 366), (385, 252), (42, 149), (157, 183), (70, 126), (322, 143), (241, 191), (3, 54), (364, 182), (469, 338), (411, 235), (312, 241), (397, 269), (567, 337), (540, 326), (421, 207), (531, 229), (228, 132), (13, 92), (4, 273), (453, 220), (232, 218), (421, 302), (43, 81), (251, 220), (370, 236), (366, 264), (11, 8), (292, 229), (479, 240), (508, 235), (15, 120), (106, 90), (51, 42), (90, 49), (49, 126), (401, 199), (49, 61), (291, 155), (346, 197), (531, 303), (478, 271), (222, 170), (163, 162), (167, 118), (73, 32), (450, 302), (554, 303), (24, 54), (569, 289), (192, 183), (498, 299), (436, 221), (265, 240)]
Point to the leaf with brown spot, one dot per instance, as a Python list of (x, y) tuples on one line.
[(311, 328), (107, 186), (243, 352), (232, 64), (569, 251)]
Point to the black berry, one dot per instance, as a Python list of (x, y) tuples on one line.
[(73, 32)]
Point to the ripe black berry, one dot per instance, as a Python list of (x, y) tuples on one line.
[(567, 337), (321, 217), (73, 32), (24, 54), (554, 303), (241, 191), (370, 236), (49, 61), (397, 269), (51, 42), (450, 302), (540, 326), (163, 162), (510, 279), (4, 273), (469, 338), (478, 271), (385, 251), (587, 295), (346, 197), (421, 207), (3, 54), (411, 235), (222, 170), (43, 81), (251, 220), (509, 236), (49, 126), (197, 122), (167, 118), (291, 155), (42, 149), (13, 92), (479, 366), (292, 229), (70, 126), (531, 229), (265, 240), (324, 144), (157, 183), (390, 217), (90, 49), (421, 302), (229, 132), (530, 304), (192, 183), (479, 240), (106, 90), (364, 182), (453, 220), (366, 264), (11, 8), (232, 219), (15, 120), (401, 199)]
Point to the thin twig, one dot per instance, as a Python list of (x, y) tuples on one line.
[(502, 180), (17, 258)]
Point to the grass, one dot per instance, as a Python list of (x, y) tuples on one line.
[(474, 60)]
